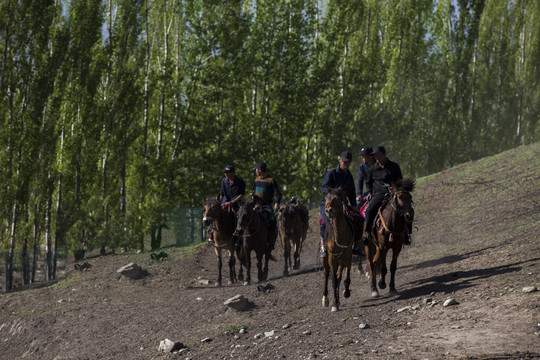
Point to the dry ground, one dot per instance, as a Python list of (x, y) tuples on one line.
[(471, 256)]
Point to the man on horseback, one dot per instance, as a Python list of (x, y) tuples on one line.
[(232, 190), (334, 178), (367, 161), (264, 189), (380, 176)]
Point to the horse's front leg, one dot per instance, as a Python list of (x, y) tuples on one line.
[(260, 272), (297, 247), (220, 264), (371, 256), (384, 270), (247, 254), (393, 268), (286, 255), (232, 267), (326, 270), (336, 280), (347, 281)]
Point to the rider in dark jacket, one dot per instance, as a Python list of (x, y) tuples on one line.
[(334, 178), (380, 176)]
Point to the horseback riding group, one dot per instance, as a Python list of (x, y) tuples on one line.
[(386, 205)]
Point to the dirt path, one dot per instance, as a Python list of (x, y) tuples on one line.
[(95, 314)]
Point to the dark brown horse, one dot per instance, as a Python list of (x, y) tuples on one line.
[(389, 233), (338, 238), (224, 221), (251, 226), (293, 226)]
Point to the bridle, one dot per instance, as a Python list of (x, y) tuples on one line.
[(332, 221)]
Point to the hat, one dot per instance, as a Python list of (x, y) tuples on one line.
[(228, 168), (366, 151), (260, 165), (346, 156), (378, 148)]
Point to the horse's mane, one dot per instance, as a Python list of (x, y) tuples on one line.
[(336, 191), (405, 184), (211, 201)]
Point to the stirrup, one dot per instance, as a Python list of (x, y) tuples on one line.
[(367, 239)]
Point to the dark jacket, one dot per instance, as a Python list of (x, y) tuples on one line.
[(380, 178), (362, 177), (337, 177), (230, 190)]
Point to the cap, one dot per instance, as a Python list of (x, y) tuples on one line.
[(228, 168), (378, 148), (366, 151), (346, 156), (260, 165)]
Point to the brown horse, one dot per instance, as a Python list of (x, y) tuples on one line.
[(389, 233), (293, 226), (251, 226), (224, 221), (338, 240)]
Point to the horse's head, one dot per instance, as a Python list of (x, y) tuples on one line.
[(244, 217), (401, 197), (335, 202), (211, 208), (288, 217)]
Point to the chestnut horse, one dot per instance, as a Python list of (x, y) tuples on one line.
[(389, 233), (338, 240), (224, 221), (251, 226), (293, 225)]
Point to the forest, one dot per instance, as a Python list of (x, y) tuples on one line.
[(115, 114)]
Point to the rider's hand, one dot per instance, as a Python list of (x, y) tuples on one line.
[(227, 203), (276, 207), (368, 197)]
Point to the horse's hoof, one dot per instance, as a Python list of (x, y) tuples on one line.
[(325, 301), (382, 286), (334, 308), (246, 283), (347, 293), (393, 292), (285, 273), (374, 294), (240, 277)]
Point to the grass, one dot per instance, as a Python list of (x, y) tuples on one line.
[(232, 329)]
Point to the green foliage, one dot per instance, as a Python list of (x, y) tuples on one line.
[(117, 117)]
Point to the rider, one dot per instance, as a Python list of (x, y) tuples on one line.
[(264, 189), (380, 176), (232, 190), (339, 176), (367, 161)]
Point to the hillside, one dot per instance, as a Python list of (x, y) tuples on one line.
[(476, 241)]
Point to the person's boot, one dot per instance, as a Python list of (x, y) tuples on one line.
[(323, 249), (407, 240), (366, 238), (211, 238), (356, 247)]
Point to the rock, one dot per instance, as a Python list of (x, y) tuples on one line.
[(238, 303), (307, 332), (529, 289), (286, 326), (403, 309), (364, 326), (450, 302), (270, 333), (206, 339), (131, 271), (428, 300), (242, 331), (258, 336), (170, 346)]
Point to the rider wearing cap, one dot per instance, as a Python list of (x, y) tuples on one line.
[(380, 176), (232, 190), (367, 161), (264, 189), (334, 178)]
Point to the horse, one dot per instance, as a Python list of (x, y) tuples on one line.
[(252, 228), (293, 226), (224, 221), (389, 233), (338, 240)]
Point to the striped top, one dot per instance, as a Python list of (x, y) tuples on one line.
[(265, 189)]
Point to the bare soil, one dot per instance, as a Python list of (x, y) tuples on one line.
[(471, 256)]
